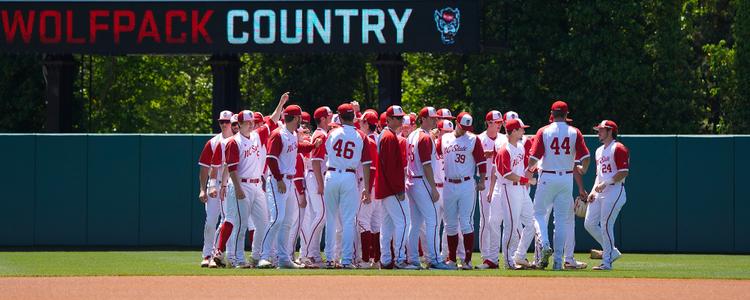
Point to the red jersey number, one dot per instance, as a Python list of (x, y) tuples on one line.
[(555, 145), (410, 152), (348, 151)]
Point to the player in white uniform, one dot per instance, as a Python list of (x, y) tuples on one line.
[(511, 192), (463, 154), (212, 205), (608, 196), (348, 149), (420, 186), (303, 134), (314, 221), (559, 146), (283, 147), (445, 127), (490, 217), (370, 215)]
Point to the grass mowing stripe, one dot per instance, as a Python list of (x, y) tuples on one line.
[(160, 263)]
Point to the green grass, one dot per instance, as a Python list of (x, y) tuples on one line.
[(158, 263)]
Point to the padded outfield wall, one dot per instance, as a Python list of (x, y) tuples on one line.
[(685, 193)]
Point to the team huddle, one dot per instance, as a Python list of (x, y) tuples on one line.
[(399, 191)]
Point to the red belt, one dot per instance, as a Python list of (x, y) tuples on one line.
[(439, 185), (558, 172), (347, 170), (458, 180), (250, 180)]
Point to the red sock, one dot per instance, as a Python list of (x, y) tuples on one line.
[(224, 233), (365, 238), (468, 245), (452, 246), (376, 246), (250, 235)]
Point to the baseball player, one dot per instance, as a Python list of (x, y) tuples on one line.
[(608, 196), (512, 194), (445, 127), (299, 194), (347, 148), (370, 214), (283, 147), (558, 146), (314, 222), (410, 123), (463, 153), (389, 188), (490, 217), (235, 124), (422, 190), (212, 205)]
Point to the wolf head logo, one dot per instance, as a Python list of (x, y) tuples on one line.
[(448, 20)]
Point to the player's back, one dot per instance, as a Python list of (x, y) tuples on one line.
[(344, 146), (559, 145)]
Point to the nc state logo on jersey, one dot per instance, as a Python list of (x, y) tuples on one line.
[(455, 148)]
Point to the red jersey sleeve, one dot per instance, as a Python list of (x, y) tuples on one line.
[(478, 155), (439, 147), (527, 149), (232, 154), (366, 157), (502, 162), (537, 148), (320, 152), (218, 157), (622, 157), (299, 174), (424, 148), (271, 125), (263, 133), (274, 150), (581, 150), (402, 149), (306, 147), (206, 155)]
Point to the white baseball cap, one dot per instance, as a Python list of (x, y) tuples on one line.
[(225, 115)]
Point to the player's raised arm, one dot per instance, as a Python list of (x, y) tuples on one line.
[(276, 115)]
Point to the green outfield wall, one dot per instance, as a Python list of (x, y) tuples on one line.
[(684, 193)]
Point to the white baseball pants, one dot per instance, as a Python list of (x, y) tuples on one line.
[(396, 223), (601, 216), (423, 210), (554, 191), (341, 200), (280, 207)]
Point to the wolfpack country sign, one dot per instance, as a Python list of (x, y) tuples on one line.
[(187, 27)]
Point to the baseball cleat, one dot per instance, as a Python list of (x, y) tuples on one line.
[(486, 265), (443, 266), (405, 266), (330, 265), (466, 266), (576, 265), (288, 265), (557, 266), (596, 254), (212, 264), (348, 267), (601, 268), (265, 264), (388, 266), (546, 253), (523, 263), (206, 260), (364, 265), (252, 262), (220, 259), (616, 254), (243, 265), (451, 263)]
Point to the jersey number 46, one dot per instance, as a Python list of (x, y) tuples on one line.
[(348, 149)]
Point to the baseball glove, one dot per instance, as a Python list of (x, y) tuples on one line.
[(580, 207)]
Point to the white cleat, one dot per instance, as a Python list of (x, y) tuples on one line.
[(616, 254), (265, 264), (220, 259), (524, 263), (576, 265), (205, 262), (601, 268)]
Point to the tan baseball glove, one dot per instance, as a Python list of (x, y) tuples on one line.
[(580, 207)]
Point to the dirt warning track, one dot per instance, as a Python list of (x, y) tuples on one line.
[(359, 287)]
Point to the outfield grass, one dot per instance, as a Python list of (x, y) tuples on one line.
[(159, 263)]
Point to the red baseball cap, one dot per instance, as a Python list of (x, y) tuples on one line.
[(514, 124), (559, 106), (510, 115), (445, 113), (305, 117), (607, 124), (259, 118), (345, 108), (371, 110), (322, 112), (225, 115), (383, 121), (445, 125), (428, 112), (293, 110), (371, 117), (493, 116), (394, 111), (465, 121), (245, 115)]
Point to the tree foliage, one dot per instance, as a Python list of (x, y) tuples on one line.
[(673, 66)]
